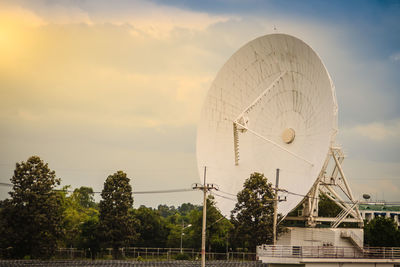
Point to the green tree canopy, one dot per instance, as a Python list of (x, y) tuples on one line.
[(217, 230), (152, 227), (174, 225), (116, 225), (166, 211), (79, 207), (217, 226), (327, 207), (32, 217), (252, 216), (382, 232), (186, 208), (84, 196), (89, 237)]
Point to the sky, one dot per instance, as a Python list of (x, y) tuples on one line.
[(96, 86)]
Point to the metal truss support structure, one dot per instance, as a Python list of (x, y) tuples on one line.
[(332, 183)]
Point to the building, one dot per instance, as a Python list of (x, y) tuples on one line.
[(309, 247), (328, 256), (371, 210), (331, 247)]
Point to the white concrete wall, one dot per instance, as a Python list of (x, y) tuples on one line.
[(345, 264), (329, 264), (297, 236), (285, 265)]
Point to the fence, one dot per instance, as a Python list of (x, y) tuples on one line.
[(104, 263), (151, 254), (328, 252)]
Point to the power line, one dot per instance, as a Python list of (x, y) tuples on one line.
[(221, 196), (347, 202), (306, 196), (134, 192), (163, 191), (143, 192), (213, 193), (227, 193), (184, 167)]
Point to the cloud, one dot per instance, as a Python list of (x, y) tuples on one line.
[(79, 74), (145, 16), (379, 131), (378, 189), (92, 98), (379, 179), (375, 141), (19, 16), (395, 57), (16, 24), (94, 88), (102, 74)]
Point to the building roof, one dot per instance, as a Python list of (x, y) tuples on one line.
[(378, 207)]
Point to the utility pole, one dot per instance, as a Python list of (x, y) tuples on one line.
[(205, 187), (275, 207), (203, 228)]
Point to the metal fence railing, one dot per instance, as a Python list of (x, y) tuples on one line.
[(328, 252), (151, 254), (71, 253), (128, 263)]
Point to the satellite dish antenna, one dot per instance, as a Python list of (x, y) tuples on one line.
[(272, 105), (366, 197)]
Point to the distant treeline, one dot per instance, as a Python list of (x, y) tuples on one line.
[(37, 219)]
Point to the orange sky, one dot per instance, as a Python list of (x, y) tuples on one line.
[(93, 88)]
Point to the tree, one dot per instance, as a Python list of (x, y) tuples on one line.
[(186, 208), (116, 224), (89, 238), (166, 211), (327, 207), (252, 216), (152, 227), (84, 196), (79, 207), (217, 227), (382, 232), (174, 225), (32, 217)]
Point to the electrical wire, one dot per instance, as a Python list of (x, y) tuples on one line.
[(143, 192), (164, 191), (213, 193), (306, 196), (227, 193), (6, 184), (133, 192)]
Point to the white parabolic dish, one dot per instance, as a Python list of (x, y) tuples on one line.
[(276, 98)]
